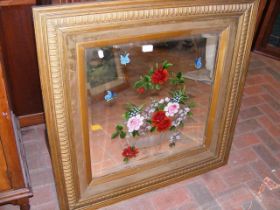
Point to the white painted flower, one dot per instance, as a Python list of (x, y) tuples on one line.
[(187, 109), (134, 123), (171, 109), (167, 99), (161, 101)]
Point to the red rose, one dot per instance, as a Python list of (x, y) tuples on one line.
[(160, 76), (161, 121), (140, 90), (130, 152)]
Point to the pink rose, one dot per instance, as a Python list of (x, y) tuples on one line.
[(171, 109), (134, 123)]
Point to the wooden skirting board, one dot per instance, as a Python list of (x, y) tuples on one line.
[(31, 119)]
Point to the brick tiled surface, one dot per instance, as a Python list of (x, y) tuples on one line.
[(255, 155)]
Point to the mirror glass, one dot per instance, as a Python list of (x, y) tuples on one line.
[(147, 99)]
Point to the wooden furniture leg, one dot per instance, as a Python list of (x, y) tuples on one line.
[(24, 204)]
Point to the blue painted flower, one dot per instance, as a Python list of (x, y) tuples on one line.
[(198, 63), (110, 95), (125, 59)]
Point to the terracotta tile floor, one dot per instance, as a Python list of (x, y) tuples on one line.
[(255, 155)]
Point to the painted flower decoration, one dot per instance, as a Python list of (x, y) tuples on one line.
[(161, 121), (134, 123), (156, 77), (160, 76), (165, 114), (129, 152), (171, 109), (140, 90), (187, 109)]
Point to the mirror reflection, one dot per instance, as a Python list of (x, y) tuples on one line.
[(147, 100)]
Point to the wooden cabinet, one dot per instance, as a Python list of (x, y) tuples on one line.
[(4, 178), (18, 43), (20, 60), (267, 38), (14, 178)]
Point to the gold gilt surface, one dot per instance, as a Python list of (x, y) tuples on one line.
[(53, 23)]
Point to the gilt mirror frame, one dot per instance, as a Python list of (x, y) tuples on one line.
[(59, 45)]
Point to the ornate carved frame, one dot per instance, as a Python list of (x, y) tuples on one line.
[(58, 32)]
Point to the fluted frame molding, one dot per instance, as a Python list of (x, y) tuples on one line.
[(52, 20)]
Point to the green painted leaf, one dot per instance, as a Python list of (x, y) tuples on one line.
[(153, 129), (126, 115), (122, 134), (119, 127), (181, 81), (157, 87), (115, 134), (139, 84), (161, 106), (179, 75), (126, 159), (149, 121), (135, 133), (151, 71), (172, 128), (147, 78), (147, 86), (166, 65), (150, 86), (191, 104)]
